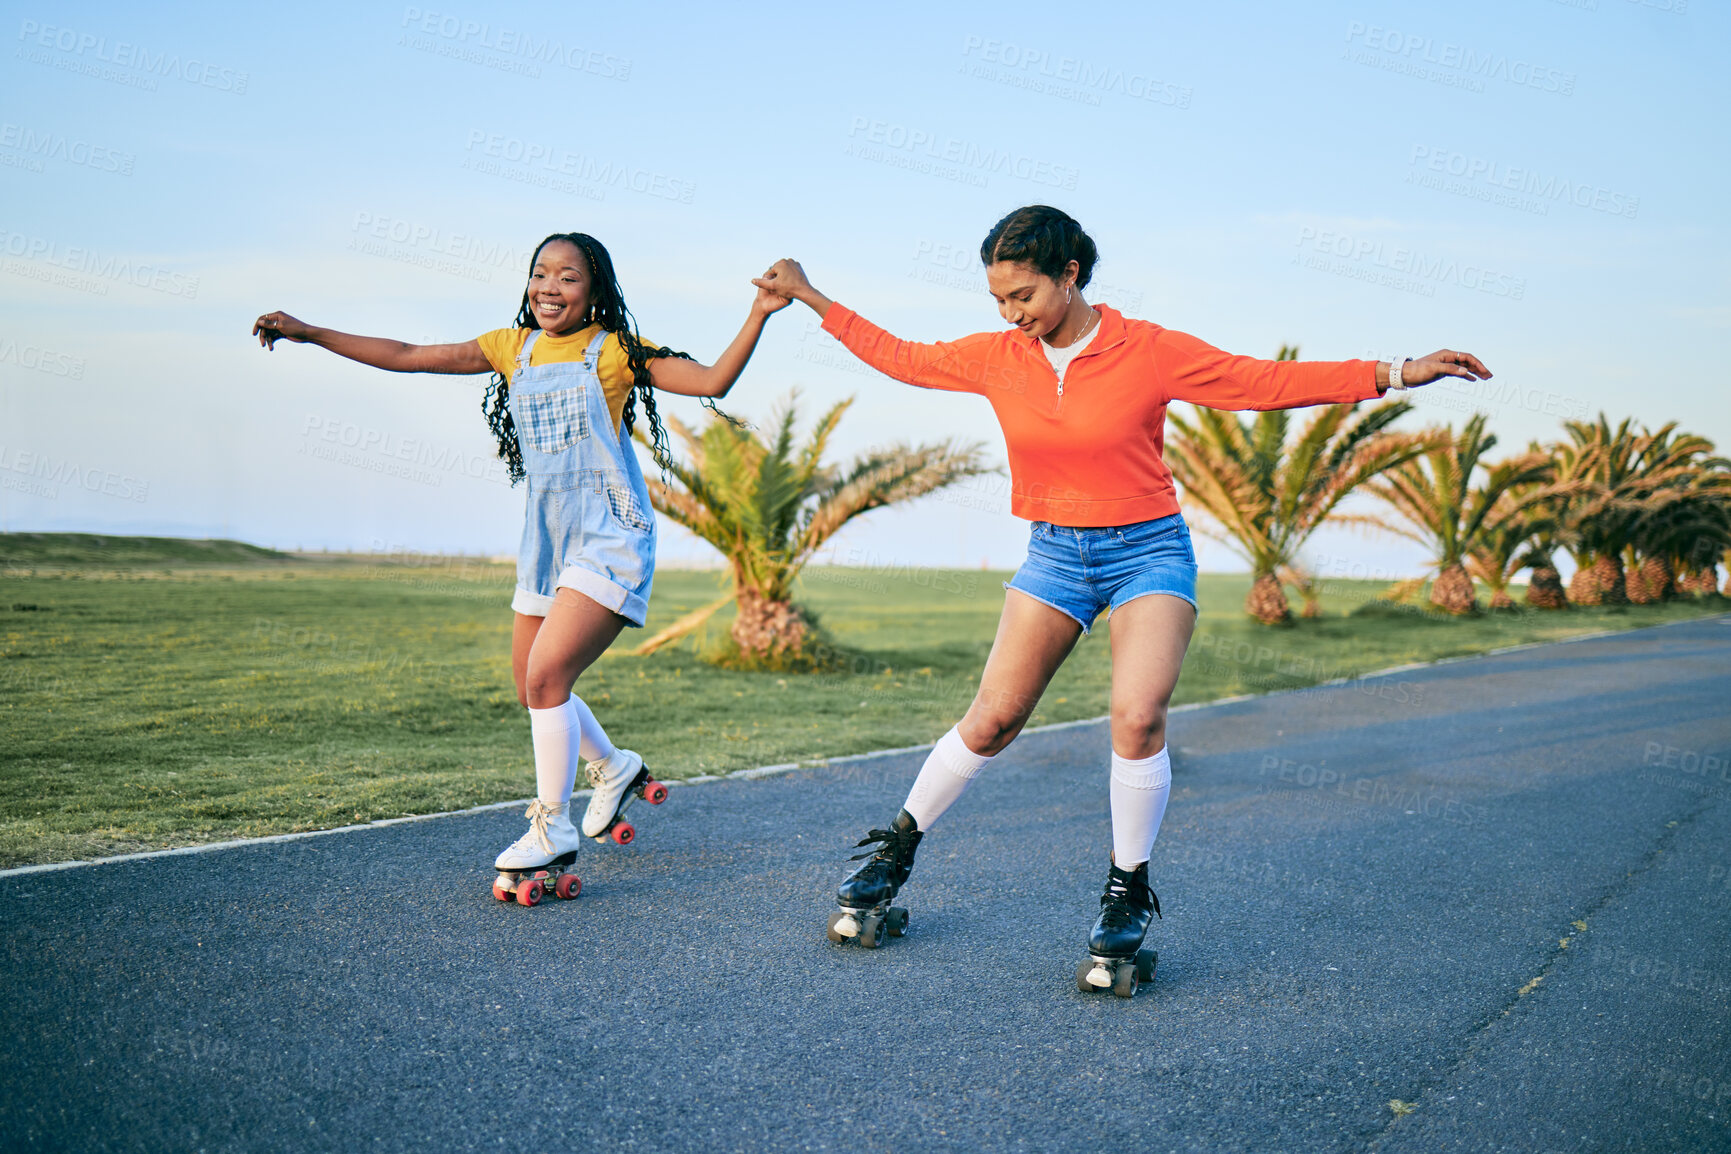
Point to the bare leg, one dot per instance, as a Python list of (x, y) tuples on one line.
[(548, 655), (1149, 636), (1033, 640)]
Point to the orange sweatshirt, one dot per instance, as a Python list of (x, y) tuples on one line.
[(1090, 452)]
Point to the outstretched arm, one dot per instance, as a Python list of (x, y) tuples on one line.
[(1193, 370), (959, 366), (691, 379), (379, 352)]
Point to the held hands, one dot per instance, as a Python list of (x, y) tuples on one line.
[(274, 327), (1443, 363), (784, 279), (767, 302)]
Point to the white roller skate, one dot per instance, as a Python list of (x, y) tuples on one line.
[(617, 781), (540, 860)]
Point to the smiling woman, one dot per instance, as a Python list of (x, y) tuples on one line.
[(562, 404), (1081, 392)]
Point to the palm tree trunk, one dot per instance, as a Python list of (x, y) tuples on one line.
[(1267, 601), (1501, 600), (1649, 582), (1452, 591), (1600, 583), (1545, 589), (767, 628)]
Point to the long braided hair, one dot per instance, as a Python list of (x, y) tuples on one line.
[(607, 308)]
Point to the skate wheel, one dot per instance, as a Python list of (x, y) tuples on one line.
[(871, 932), (541, 875), (1124, 981), (502, 889), (1145, 961), (655, 793), (529, 892), (1082, 982), (624, 833), (830, 930), (897, 921), (568, 886)]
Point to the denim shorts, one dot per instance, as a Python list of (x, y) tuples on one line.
[(1080, 572)]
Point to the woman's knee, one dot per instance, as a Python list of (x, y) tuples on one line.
[(544, 686), (1138, 730)]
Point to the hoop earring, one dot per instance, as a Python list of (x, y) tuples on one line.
[(1066, 294)]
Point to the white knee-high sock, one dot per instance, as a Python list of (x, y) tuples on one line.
[(555, 734), (948, 769), (1139, 792), (592, 742)]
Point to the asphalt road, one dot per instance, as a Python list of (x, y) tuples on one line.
[(1374, 901)]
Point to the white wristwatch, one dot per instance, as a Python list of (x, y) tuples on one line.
[(1394, 381)]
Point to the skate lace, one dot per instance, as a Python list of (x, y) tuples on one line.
[(891, 849), (1118, 904), (538, 813)]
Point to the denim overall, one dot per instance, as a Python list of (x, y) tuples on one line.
[(588, 524)]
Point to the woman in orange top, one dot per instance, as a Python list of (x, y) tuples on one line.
[(1081, 393)]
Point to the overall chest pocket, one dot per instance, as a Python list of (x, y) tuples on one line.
[(553, 421)]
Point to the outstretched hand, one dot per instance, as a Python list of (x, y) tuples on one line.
[(274, 327), (1443, 363)]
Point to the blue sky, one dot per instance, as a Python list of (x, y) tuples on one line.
[(1540, 182)]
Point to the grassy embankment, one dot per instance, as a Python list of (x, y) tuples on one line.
[(168, 693)]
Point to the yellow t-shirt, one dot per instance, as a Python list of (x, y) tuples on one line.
[(501, 347)]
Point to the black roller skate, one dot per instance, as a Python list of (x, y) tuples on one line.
[(866, 915), (1116, 959)]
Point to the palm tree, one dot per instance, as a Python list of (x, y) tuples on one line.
[(1683, 491), (1597, 465), (768, 506), (1512, 539), (1437, 505), (1262, 497)]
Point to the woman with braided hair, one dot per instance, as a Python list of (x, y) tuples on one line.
[(1081, 394), (567, 379)]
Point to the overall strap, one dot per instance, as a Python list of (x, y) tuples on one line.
[(523, 353), (592, 354)]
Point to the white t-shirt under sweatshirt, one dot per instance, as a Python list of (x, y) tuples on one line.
[(1061, 358)]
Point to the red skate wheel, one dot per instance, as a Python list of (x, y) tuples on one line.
[(655, 793), (542, 875), (529, 893), (501, 889), (568, 886), (624, 833)]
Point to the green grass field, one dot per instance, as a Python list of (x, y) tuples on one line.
[(167, 694)]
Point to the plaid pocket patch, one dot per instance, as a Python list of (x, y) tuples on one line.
[(552, 422)]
